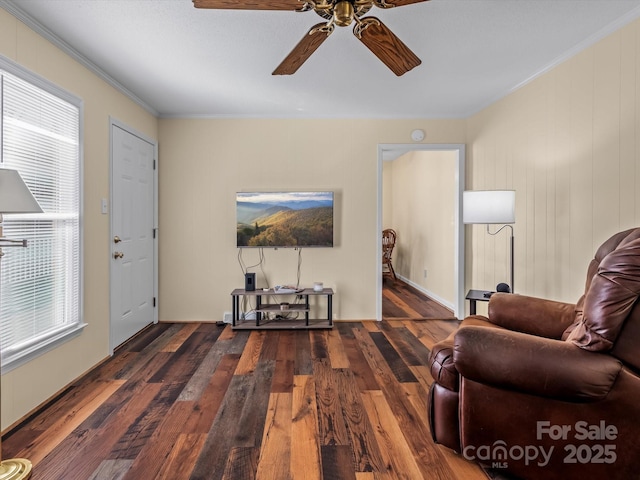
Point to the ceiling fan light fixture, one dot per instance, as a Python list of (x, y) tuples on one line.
[(343, 13)]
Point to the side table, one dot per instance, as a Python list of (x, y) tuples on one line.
[(477, 296)]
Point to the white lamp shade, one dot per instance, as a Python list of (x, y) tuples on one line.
[(15, 196), (489, 206)]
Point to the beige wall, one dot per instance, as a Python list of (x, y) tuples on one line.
[(203, 163), (28, 386), (419, 192), (568, 143)]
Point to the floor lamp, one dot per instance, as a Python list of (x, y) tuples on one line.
[(15, 197), (491, 207)]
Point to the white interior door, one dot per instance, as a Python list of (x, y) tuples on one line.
[(133, 265)]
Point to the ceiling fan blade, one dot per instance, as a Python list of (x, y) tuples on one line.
[(303, 50), (386, 46), (250, 4), (401, 3)]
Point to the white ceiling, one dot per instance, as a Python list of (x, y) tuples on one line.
[(177, 60)]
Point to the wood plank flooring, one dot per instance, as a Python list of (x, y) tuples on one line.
[(199, 401), (401, 301)]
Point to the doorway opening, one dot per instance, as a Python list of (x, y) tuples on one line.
[(389, 152)]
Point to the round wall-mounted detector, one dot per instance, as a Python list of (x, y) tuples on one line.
[(417, 135)]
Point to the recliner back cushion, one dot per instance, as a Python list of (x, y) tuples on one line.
[(626, 346), (605, 249), (610, 296)]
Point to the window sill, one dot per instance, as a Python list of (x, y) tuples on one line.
[(23, 356)]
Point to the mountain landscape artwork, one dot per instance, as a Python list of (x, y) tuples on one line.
[(284, 219)]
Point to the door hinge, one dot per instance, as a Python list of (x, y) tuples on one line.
[(154, 163), (154, 233), (154, 302)]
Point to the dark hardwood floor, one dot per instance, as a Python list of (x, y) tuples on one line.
[(401, 301), (199, 401)]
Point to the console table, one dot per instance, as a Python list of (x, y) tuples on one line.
[(260, 322)]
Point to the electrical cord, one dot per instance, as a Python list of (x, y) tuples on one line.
[(246, 300), (245, 269)]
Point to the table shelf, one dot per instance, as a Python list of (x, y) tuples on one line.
[(276, 307)]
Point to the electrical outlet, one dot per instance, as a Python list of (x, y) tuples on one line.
[(425, 273)]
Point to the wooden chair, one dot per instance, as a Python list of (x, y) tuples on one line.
[(388, 242)]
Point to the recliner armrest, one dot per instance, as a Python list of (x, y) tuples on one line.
[(537, 316), (534, 365)]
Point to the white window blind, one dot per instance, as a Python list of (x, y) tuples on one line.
[(40, 286)]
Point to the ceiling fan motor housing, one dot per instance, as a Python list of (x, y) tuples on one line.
[(343, 13)]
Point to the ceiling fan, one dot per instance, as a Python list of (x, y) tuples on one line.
[(375, 35)]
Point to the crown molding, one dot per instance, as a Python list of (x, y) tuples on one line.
[(11, 7), (576, 49)]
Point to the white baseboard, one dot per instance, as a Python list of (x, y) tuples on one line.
[(428, 293)]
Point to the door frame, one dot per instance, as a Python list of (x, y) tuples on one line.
[(388, 151), (113, 122)]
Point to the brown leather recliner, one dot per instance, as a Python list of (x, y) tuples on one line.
[(544, 389)]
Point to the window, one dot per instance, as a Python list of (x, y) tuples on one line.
[(40, 286)]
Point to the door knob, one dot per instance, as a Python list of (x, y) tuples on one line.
[(116, 239), (118, 254)]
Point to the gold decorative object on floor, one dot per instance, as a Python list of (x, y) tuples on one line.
[(15, 469)]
